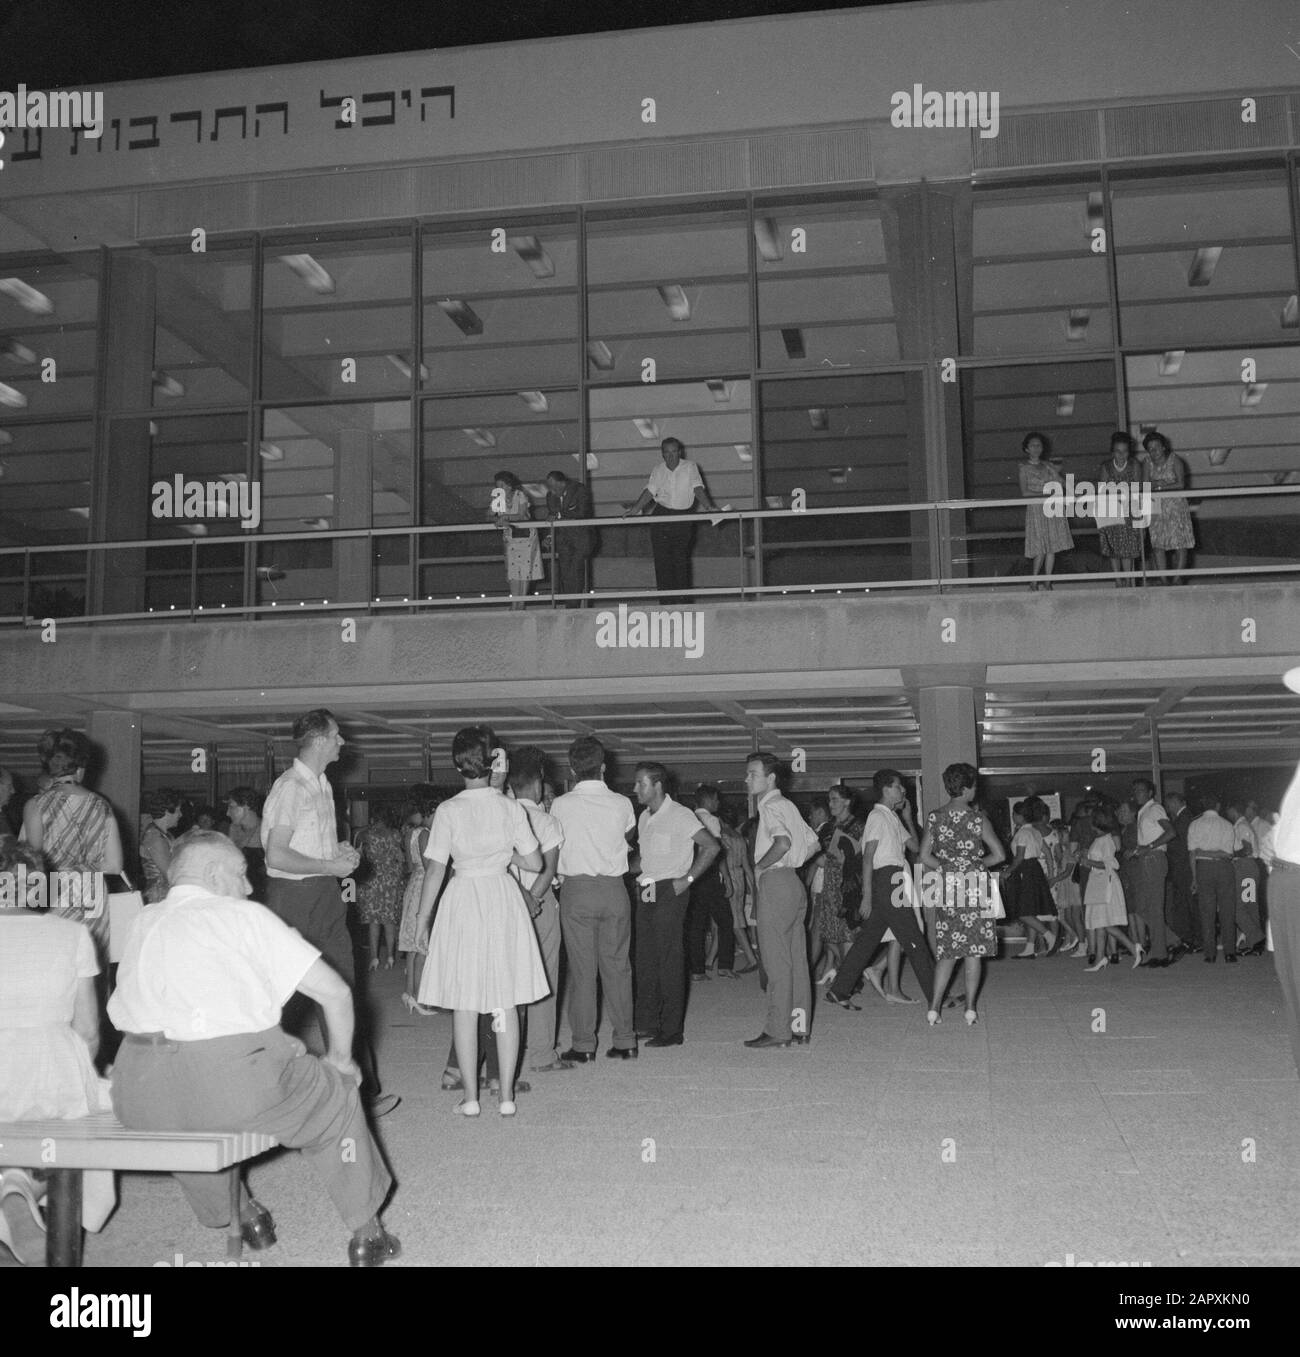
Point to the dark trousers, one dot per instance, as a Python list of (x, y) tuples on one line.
[(1147, 878), (672, 553), (261, 1082), (314, 906), (596, 923), (661, 959), (1284, 916), (884, 916), (709, 901), (1183, 916), (1248, 893), (571, 552), (1216, 892)]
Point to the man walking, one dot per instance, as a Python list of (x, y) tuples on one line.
[(595, 912), (1210, 843), (782, 844), (573, 546), (674, 488), (1149, 868), (887, 895), (305, 861), (675, 851)]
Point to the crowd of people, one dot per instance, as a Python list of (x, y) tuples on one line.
[(515, 905)]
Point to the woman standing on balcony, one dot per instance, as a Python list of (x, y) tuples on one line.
[(511, 507), (1045, 534), (1171, 520), (1120, 476)]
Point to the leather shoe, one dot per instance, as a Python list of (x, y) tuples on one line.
[(763, 1040), (666, 1041), (833, 998), (1256, 950), (574, 1057), (1229, 956), (801, 1041), (621, 1053), (374, 1250), (382, 1104), (258, 1229)]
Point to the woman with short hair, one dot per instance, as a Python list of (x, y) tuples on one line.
[(1045, 534), (511, 507), (163, 811), (1171, 520), (1105, 912)]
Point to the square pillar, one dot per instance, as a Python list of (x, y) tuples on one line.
[(116, 736), (949, 735)]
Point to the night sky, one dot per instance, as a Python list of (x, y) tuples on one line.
[(83, 43)]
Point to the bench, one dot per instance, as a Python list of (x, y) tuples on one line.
[(67, 1148)]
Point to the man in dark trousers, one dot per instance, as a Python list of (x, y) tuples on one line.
[(709, 898), (887, 893), (1183, 917), (573, 546), (675, 488)]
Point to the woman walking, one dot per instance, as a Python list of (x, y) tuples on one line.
[(1025, 891), (1104, 907), (483, 955), (960, 843)]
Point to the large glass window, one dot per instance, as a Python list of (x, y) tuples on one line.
[(182, 327), (467, 440), (1037, 285), (824, 295), (1205, 260), (842, 441), (337, 318), (49, 310), (501, 306), (672, 290)]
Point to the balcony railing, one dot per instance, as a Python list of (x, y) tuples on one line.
[(950, 545)]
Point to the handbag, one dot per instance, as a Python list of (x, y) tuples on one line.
[(124, 908)]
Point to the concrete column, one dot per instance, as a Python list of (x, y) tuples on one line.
[(116, 768), (948, 735)]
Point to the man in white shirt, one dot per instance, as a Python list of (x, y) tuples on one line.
[(199, 993), (887, 891), (782, 844), (1148, 868), (595, 912), (305, 861), (1246, 864), (674, 488), (674, 850), (1210, 845), (1283, 847)]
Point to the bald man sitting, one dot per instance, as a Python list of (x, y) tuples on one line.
[(199, 993)]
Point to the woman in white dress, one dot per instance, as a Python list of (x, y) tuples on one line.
[(1105, 909), (483, 955), (511, 507)]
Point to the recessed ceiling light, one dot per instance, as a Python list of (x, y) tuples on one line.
[(270, 452), (15, 351), (403, 365), (774, 502), (536, 401), (1076, 324), (462, 316), (1171, 361), (768, 240), (1219, 455), (675, 299), (1096, 211), (647, 428), (818, 418), (270, 572), (10, 397), (166, 385), (311, 273), (485, 438), (599, 354), (1065, 404), (1204, 262), (1253, 393), (81, 510), (321, 523), (27, 297), (744, 452), (793, 341), (720, 390), (1291, 313), (530, 250), (195, 529), (839, 475)]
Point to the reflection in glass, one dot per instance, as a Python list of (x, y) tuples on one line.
[(44, 483), (48, 311), (1205, 260), (1038, 285), (337, 318), (824, 295), (501, 317), (672, 290)]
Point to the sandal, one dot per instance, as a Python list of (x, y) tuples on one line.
[(451, 1081)]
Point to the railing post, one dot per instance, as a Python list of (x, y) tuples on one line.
[(194, 575), (740, 537), (27, 584)]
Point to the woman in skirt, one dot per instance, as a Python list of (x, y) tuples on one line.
[(1025, 892)]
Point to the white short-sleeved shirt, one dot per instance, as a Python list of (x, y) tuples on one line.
[(890, 836), (709, 821), (596, 823), (675, 489), (1210, 832), (777, 817), (1244, 836), (547, 830), (303, 803), (667, 840), (481, 830), (1028, 838), (1149, 817), (199, 965), (1286, 832)]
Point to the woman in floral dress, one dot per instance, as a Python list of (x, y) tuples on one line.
[(1045, 535), (379, 889), (1171, 520), (417, 836), (1121, 538), (960, 843), (841, 892)]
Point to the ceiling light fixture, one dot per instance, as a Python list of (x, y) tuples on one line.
[(744, 452), (675, 299), (819, 419), (403, 365), (1219, 455), (462, 316), (485, 438), (599, 355), (320, 523), (27, 297), (1170, 362), (768, 240), (9, 396), (530, 250), (16, 352), (1076, 324), (312, 274), (793, 341), (774, 502), (1205, 261), (647, 428), (1095, 213), (270, 452), (1290, 317), (720, 390), (1065, 404), (166, 385), (839, 475), (536, 401), (1253, 393), (5, 438)]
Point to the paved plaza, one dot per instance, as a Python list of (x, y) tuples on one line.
[(1171, 1137)]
